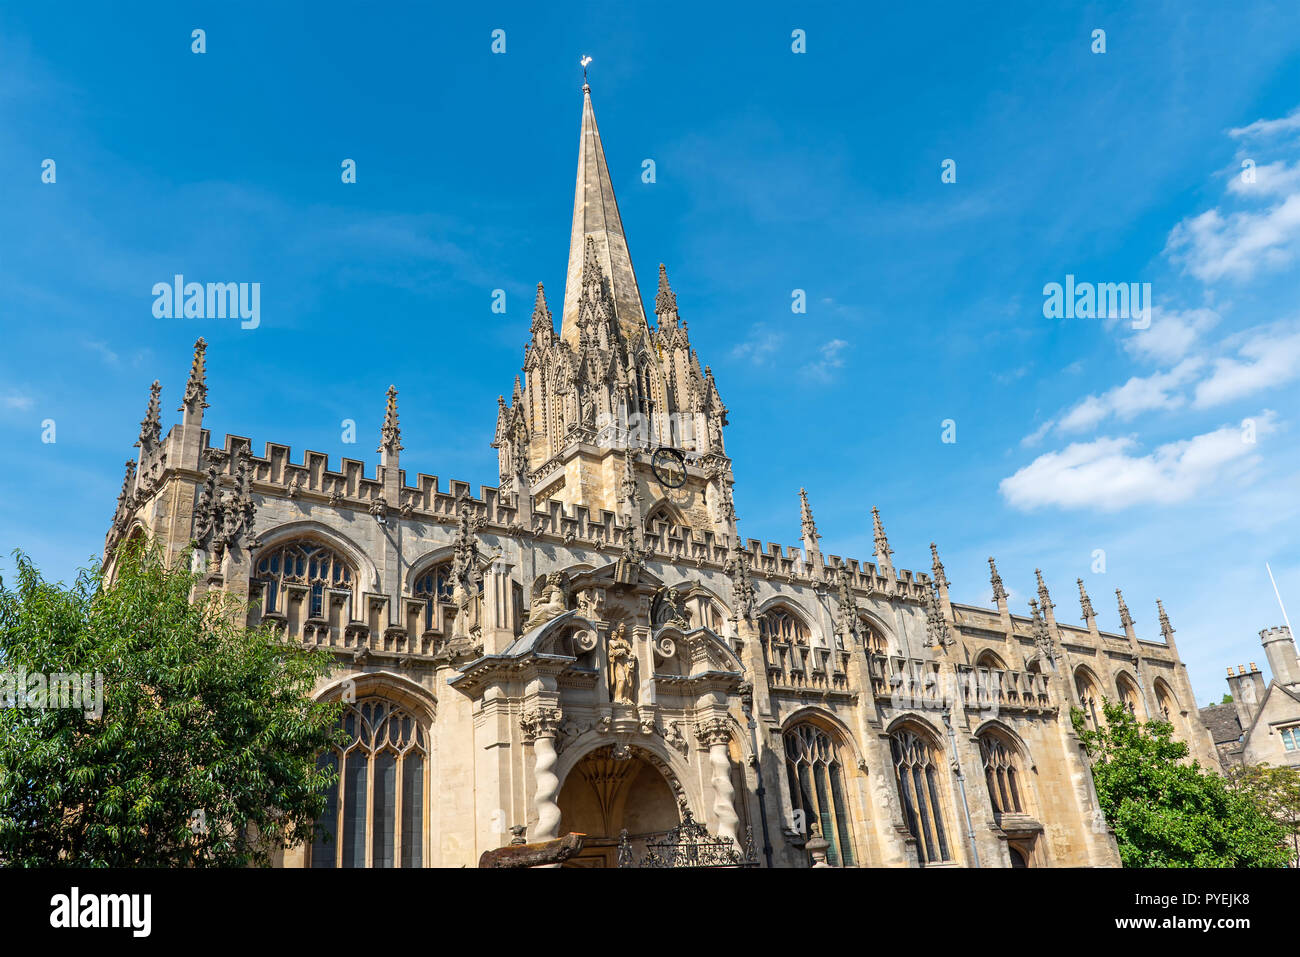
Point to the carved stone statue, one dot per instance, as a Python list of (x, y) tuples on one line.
[(622, 667), (550, 603)]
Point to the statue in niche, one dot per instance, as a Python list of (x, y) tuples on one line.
[(622, 667)]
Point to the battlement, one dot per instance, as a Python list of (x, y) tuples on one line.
[(276, 473)]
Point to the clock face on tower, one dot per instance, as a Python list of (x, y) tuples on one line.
[(669, 467)]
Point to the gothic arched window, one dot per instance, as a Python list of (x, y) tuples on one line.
[(780, 624), (1166, 703), (917, 774), (306, 563), (433, 586), (1089, 697), (375, 816), (1002, 774), (816, 773), (872, 639), (1128, 694)]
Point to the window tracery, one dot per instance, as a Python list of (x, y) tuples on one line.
[(307, 563), (375, 815), (917, 776), (817, 789)]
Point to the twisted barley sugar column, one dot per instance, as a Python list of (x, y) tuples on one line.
[(548, 787), (716, 734)]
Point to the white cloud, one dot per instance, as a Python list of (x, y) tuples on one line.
[(1268, 358), (1172, 333), (15, 400), (1139, 394), (1040, 433), (1269, 127), (1106, 474), (107, 354), (759, 346), (1271, 179), (830, 360), (1211, 246)]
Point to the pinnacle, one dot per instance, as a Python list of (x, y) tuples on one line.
[(666, 299)]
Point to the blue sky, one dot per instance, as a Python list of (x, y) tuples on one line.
[(775, 171)]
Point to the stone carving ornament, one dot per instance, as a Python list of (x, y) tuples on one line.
[(622, 667)]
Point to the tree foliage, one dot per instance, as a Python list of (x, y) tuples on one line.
[(1277, 791), (1167, 812), (205, 751)]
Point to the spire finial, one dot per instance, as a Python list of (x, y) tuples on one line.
[(999, 592), (1166, 629), (585, 61), (392, 434), (1085, 603), (196, 389), (936, 566), (665, 299), (151, 426), (1044, 598), (541, 315), (1125, 618), (883, 551), (806, 523)]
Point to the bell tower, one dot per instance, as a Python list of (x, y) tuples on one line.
[(608, 409)]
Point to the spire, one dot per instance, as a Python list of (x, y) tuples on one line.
[(1125, 618), (543, 326), (596, 217), (1166, 629), (883, 551), (665, 300), (806, 523), (1085, 604), (940, 578), (151, 426), (999, 593), (196, 389), (391, 443), (1044, 599)]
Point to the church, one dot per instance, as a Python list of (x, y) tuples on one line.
[(591, 647)]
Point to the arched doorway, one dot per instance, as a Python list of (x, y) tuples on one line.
[(604, 794)]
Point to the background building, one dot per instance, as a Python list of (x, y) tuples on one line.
[(1261, 725)]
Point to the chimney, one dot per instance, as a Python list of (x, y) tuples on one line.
[(1247, 689)]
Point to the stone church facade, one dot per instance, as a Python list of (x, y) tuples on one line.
[(592, 647)]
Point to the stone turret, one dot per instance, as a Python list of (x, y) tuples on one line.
[(1280, 649)]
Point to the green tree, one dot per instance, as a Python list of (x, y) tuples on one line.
[(1277, 791), (204, 751), (1167, 812)]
